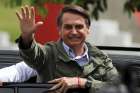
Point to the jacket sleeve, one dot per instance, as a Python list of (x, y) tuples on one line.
[(109, 75), (34, 55)]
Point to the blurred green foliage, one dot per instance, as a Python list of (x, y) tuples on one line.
[(97, 5), (9, 22), (132, 6)]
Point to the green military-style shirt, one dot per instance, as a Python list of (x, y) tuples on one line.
[(51, 61)]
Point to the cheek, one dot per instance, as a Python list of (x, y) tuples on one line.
[(87, 32), (63, 34)]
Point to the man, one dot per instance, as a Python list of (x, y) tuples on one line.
[(71, 62)]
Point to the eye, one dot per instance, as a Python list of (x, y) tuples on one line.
[(79, 26), (68, 26)]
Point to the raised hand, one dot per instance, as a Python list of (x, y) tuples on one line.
[(27, 22)]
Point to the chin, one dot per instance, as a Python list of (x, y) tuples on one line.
[(72, 44)]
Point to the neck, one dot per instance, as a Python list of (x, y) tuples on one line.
[(78, 50)]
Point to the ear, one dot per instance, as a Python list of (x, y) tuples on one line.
[(59, 30)]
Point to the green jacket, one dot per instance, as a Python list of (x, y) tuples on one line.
[(51, 61)]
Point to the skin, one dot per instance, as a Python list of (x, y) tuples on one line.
[(74, 38), (27, 23)]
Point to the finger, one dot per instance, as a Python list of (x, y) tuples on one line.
[(23, 12), (18, 15), (55, 80), (38, 24), (63, 89), (32, 13), (56, 86), (27, 11)]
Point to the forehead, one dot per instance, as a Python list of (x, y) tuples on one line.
[(72, 18)]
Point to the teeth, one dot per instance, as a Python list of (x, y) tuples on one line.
[(74, 37)]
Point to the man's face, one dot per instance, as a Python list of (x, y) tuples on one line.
[(73, 30)]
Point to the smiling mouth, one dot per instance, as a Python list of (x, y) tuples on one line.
[(75, 38)]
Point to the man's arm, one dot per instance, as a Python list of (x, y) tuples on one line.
[(19, 72), (26, 41), (111, 79), (109, 73), (93, 85)]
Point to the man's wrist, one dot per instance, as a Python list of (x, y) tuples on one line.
[(81, 82), (22, 44)]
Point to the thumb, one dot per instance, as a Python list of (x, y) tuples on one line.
[(38, 24)]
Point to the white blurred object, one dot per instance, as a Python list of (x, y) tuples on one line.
[(107, 33), (120, 39), (5, 43), (4, 39)]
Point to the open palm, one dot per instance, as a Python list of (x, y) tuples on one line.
[(27, 21)]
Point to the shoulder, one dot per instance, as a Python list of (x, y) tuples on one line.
[(52, 47), (97, 53), (94, 50)]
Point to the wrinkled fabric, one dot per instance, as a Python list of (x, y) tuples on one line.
[(51, 61)]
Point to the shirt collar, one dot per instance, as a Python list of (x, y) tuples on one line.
[(71, 53)]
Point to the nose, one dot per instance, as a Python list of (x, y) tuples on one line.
[(74, 31)]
